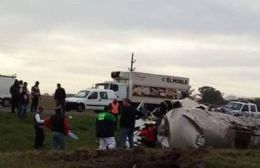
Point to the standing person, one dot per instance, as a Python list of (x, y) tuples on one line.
[(35, 93), (38, 127), (15, 96), (23, 103), (20, 86), (114, 108), (105, 130), (60, 129), (60, 96), (127, 122)]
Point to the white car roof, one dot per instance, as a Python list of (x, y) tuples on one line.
[(98, 90)]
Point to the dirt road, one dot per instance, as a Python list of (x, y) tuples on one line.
[(138, 158)]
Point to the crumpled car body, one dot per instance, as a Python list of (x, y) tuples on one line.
[(194, 128)]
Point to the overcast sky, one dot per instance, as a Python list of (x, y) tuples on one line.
[(79, 42)]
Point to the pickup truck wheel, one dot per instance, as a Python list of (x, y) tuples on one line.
[(80, 108), (6, 102)]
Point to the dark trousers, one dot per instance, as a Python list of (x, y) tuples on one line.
[(115, 124), (127, 134), (39, 137), (34, 105), (15, 103), (61, 102)]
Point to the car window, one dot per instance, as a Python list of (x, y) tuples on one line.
[(253, 108), (82, 94), (234, 106), (93, 95), (103, 95), (245, 108)]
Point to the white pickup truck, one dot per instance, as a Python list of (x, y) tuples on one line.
[(91, 99), (239, 108)]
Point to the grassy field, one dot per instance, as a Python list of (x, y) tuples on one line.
[(18, 135)]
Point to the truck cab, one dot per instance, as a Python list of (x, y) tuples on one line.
[(119, 88), (93, 99)]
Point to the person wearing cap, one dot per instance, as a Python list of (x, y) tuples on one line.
[(105, 130), (127, 122), (38, 127), (35, 94)]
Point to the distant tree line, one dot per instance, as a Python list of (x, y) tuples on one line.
[(211, 96)]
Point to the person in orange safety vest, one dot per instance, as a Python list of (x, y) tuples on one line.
[(114, 109)]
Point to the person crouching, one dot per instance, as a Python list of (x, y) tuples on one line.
[(38, 126), (105, 130)]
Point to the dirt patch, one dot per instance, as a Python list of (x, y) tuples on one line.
[(138, 158)]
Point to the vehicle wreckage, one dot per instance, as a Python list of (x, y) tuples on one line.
[(187, 124)]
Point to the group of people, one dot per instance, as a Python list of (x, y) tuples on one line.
[(57, 123), (106, 121), (106, 124), (20, 97)]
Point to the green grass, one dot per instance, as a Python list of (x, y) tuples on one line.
[(230, 158), (18, 135)]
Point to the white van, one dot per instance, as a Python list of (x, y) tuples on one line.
[(93, 99), (5, 83)]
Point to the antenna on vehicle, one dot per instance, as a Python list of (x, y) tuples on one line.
[(132, 68)]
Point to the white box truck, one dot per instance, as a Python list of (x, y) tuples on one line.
[(5, 83), (149, 88)]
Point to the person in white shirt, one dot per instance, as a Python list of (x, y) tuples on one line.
[(38, 126)]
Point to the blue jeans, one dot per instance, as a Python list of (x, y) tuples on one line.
[(127, 134), (22, 111), (58, 141)]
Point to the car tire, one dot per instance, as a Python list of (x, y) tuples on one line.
[(6, 102), (80, 108)]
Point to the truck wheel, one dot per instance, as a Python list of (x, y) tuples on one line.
[(80, 108), (6, 102)]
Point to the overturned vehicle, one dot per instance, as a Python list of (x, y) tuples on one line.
[(189, 127)]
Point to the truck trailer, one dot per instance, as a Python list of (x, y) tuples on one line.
[(150, 88)]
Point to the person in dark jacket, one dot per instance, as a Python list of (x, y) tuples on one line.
[(59, 126), (127, 122), (15, 96), (38, 126), (105, 130), (23, 103), (35, 94), (60, 96)]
